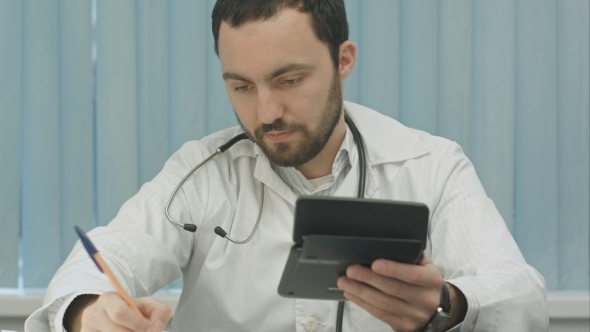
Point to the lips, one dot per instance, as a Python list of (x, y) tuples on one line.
[(279, 136)]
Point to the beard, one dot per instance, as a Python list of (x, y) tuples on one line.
[(293, 154)]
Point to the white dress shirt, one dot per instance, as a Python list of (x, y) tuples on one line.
[(234, 287)]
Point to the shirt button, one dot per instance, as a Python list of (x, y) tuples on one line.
[(471, 327), (311, 324)]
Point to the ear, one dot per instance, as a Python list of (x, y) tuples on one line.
[(347, 58)]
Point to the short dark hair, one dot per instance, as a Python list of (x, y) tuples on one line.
[(328, 18)]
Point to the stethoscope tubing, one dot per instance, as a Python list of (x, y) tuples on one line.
[(220, 150), (219, 231), (358, 140), (188, 227)]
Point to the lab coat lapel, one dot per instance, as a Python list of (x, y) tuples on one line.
[(265, 174), (386, 140)]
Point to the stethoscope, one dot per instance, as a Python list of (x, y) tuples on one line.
[(219, 231)]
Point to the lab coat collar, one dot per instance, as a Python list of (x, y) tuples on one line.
[(386, 140), (265, 174), (263, 171)]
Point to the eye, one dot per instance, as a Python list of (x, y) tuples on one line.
[(242, 88), (292, 81)]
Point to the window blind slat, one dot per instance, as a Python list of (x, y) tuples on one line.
[(455, 72), (573, 35), (152, 86), (76, 121), (220, 114), (536, 224), (10, 139), (352, 83), (419, 22), (188, 71), (380, 56), (494, 100), (116, 107), (41, 163)]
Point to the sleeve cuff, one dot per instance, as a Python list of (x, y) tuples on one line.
[(468, 323), (59, 316)]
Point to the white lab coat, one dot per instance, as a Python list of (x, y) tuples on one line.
[(230, 287)]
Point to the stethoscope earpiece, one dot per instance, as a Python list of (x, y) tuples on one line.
[(219, 231), (190, 227)]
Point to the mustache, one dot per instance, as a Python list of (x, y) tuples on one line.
[(278, 125)]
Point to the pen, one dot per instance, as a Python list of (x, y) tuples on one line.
[(104, 268)]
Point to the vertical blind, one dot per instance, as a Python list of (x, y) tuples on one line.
[(95, 95)]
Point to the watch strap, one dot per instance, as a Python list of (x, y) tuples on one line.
[(445, 300), (441, 316)]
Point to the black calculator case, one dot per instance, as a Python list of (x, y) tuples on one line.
[(332, 233)]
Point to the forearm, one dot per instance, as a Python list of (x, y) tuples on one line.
[(72, 320), (458, 306)]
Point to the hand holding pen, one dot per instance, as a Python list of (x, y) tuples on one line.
[(119, 311)]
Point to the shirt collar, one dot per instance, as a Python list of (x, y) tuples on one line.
[(345, 156), (347, 150)]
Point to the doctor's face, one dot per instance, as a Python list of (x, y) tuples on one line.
[(283, 85)]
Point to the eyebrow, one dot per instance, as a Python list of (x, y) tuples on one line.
[(278, 72)]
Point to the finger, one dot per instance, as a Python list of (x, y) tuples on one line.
[(421, 275), (375, 297), (120, 313), (155, 311), (425, 260), (397, 322), (387, 285), (95, 319)]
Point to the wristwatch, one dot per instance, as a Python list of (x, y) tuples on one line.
[(442, 315)]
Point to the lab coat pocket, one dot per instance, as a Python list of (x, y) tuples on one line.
[(364, 321)]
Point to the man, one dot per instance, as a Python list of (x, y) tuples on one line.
[(284, 62)]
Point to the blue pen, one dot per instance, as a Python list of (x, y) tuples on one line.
[(104, 268)]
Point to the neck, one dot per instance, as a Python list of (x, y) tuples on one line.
[(321, 165)]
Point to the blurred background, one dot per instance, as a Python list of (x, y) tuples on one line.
[(95, 95)]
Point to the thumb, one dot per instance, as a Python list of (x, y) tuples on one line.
[(155, 311)]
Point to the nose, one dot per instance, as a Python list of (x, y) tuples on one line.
[(269, 106)]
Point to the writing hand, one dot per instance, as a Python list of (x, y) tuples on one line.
[(111, 313)]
